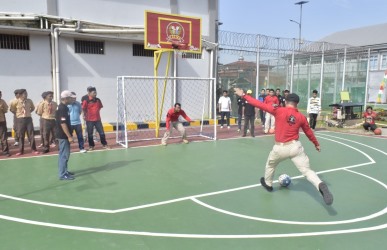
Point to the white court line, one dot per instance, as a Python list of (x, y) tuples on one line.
[(365, 145), (200, 236), (377, 214), (182, 198), (379, 227)]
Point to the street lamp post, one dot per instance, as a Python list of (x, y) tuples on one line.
[(299, 23)]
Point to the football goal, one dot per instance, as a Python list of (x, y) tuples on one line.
[(143, 103)]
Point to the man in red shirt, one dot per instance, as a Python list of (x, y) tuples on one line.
[(288, 123), (173, 117), (273, 101), (369, 119), (91, 107)]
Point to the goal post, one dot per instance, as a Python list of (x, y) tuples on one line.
[(140, 105)]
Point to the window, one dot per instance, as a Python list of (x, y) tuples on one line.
[(89, 47), (384, 61), (14, 42), (138, 50), (188, 55), (374, 62)]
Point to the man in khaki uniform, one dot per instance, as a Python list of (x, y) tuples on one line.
[(3, 127)]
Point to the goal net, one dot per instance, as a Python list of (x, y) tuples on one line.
[(142, 101)]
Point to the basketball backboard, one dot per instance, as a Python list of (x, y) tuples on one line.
[(168, 31)]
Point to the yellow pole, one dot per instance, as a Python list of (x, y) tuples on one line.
[(165, 83), (156, 62)]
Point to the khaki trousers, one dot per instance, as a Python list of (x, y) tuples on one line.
[(295, 151), (269, 121), (179, 127)]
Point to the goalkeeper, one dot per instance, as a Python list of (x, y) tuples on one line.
[(173, 117)]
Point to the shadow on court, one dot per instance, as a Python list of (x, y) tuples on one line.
[(306, 187), (107, 167)]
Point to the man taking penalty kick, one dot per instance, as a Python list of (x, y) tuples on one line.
[(288, 122)]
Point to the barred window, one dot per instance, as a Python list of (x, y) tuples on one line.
[(138, 50), (188, 55), (373, 62), (14, 42), (89, 47)]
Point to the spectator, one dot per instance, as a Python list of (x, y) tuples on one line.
[(261, 97), (369, 119), (91, 108), (240, 102), (3, 127), (249, 112), (85, 97), (23, 108), (273, 101), (11, 103), (313, 109), (225, 108), (286, 93), (47, 111), (75, 111)]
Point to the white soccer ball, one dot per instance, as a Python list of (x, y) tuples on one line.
[(284, 180)]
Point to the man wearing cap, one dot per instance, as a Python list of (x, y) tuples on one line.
[(287, 146), (63, 135), (249, 113)]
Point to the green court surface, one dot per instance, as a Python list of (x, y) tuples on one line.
[(204, 195)]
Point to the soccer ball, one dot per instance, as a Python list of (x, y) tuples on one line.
[(284, 180)]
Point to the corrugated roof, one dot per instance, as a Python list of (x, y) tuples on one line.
[(369, 35)]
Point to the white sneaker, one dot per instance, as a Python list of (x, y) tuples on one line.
[(16, 144), (40, 146), (185, 141), (164, 144), (83, 151), (238, 130), (228, 127), (221, 126)]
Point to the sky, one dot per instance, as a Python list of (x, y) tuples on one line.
[(320, 18)]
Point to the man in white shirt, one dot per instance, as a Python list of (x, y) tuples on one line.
[(313, 109), (224, 108)]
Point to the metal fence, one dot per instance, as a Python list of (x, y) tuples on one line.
[(253, 61)]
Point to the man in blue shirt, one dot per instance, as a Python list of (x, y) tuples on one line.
[(75, 111)]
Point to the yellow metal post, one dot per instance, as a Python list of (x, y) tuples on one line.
[(156, 61)]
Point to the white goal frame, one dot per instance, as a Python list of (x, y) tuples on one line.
[(129, 116)]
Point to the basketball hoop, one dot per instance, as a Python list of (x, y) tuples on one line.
[(179, 48)]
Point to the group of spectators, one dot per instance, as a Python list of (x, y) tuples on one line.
[(23, 108)]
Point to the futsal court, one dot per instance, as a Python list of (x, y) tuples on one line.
[(203, 195)]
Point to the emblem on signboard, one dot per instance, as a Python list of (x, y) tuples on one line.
[(175, 32)]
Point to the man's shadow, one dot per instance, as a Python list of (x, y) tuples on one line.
[(107, 167), (305, 186)]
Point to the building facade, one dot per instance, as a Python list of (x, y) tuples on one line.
[(53, 45)]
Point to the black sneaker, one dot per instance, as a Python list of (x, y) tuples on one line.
[(263, 183), (66, 177), (327, 196)]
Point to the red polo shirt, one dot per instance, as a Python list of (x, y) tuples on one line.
[(288, 121), (370, 118), (271, 100), (91, 108), (173, 116)]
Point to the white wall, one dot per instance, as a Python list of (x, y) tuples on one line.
[(24, 6), (115, 12)]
